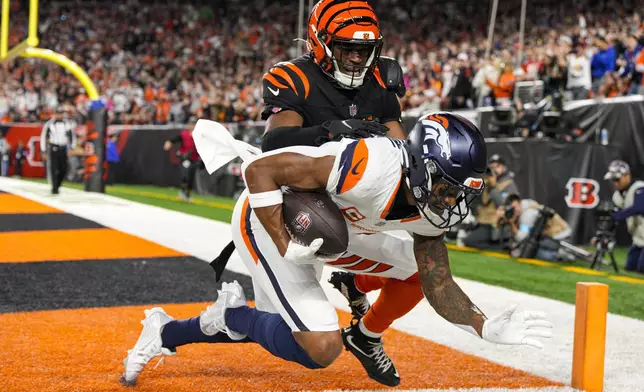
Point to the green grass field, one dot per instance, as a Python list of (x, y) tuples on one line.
[(625, 298), (212, 207)]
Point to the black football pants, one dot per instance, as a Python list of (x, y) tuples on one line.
[(57, 165)]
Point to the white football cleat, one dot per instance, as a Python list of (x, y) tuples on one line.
[(148, 346), (213, 319)]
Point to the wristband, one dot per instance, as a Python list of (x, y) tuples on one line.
[(265, 199)]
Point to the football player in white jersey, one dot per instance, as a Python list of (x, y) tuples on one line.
[(422, 187)]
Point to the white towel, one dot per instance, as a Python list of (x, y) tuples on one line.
[(217, 147)]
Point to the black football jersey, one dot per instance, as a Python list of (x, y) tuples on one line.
[(300, 85)]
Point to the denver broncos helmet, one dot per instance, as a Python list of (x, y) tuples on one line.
[(447, 160), (341, 26)]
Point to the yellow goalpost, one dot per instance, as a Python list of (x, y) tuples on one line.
[(28, 48)]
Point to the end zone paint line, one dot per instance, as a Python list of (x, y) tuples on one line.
[(64, 245), (105, 335), (204, 238), (13, 204), (49, 221), (178, 231)]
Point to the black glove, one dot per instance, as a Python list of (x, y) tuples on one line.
[(354, 128)]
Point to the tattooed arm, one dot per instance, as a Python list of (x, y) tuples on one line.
[(440, 289), (451, 303)]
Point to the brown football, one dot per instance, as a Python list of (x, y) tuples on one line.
[(311, 215)]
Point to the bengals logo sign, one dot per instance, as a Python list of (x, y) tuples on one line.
[(582, 193)]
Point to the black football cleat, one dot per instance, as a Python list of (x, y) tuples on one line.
[(371, 354), (343, 282)]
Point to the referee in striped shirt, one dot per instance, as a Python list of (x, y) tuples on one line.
[(57, 135)]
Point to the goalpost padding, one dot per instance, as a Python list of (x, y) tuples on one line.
[(591, 308)]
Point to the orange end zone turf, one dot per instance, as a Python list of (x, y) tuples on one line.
[(82, 244), (12, 204), (83, 349)]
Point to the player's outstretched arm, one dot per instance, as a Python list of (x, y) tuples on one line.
[(440, 289), (451, 303), (266, 175)]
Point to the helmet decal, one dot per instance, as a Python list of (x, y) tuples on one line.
[(447, 159), (435, 130)]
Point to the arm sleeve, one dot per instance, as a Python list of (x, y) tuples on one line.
[(293, 136), (391, 108), (176, 139), (636, 209)]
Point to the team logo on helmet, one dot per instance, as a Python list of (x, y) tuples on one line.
[(435, 129)]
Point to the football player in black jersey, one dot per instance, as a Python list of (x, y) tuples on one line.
[(343, 88)]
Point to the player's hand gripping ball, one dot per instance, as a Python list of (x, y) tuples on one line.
[(312, 215)]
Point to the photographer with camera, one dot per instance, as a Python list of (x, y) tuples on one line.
[(499, 168), (536, 229), (189, 160), (486, 234), (629, 198)]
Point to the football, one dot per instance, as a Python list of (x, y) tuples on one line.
[(311, 215)]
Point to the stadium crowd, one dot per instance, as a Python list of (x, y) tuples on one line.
[(172, 62)]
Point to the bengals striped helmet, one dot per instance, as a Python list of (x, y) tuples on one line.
[(344, 39)]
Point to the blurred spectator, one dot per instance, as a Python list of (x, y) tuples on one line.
[(603, 61), (160, 63), (461, 92), (5, 156), (629, 71), (189, 160), (612, 86), (504, 87), (20, 158), (579, 78), (112, 157)]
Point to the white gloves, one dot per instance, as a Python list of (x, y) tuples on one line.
[(300, 254), (518, 328)]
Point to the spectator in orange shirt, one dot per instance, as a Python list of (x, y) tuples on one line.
[(163, 108), (505, 87), (612, 86)]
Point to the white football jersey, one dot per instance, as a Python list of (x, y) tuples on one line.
[(364, 181)]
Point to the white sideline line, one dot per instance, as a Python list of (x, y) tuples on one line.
[(204, 238)]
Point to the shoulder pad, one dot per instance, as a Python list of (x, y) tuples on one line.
[(392, 75), (286, 75)]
